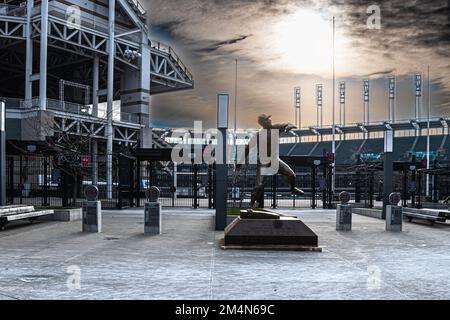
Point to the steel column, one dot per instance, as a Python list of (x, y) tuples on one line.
[(94, 161), (43, 56), (388, 169), (2, 155), (274, 191), (110, 98), (45, 198), (313, 187), (29, 54), (95, 77)]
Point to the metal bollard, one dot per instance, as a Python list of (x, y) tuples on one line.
[(344, 213)]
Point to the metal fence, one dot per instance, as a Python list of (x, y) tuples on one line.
[(43, 182)]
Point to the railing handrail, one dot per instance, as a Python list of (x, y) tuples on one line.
[(12, 10), (64, 106), (160, 46)]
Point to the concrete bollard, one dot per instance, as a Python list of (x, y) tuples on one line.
[(394, 214), (92, 211), (152, 212), (344, 213)]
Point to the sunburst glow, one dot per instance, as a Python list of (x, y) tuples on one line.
[(304, 41)]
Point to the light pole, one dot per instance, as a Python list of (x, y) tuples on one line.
[(333, 145), (2, 155), (297, 106), (235, 112), (428, 131)]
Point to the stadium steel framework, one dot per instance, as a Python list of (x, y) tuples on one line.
[(61, 59)]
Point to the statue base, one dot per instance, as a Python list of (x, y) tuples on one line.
[(266, 230)]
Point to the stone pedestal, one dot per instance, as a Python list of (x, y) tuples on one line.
[(92, 216), (152, 219), (344, 217), (394, 218), (269, 231)]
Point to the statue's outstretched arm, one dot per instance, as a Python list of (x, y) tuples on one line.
[(283, 127)]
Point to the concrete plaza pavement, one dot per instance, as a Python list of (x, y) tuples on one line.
[(186, 262)]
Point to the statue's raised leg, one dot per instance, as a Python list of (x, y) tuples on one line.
[(258, 192), (286, 171)]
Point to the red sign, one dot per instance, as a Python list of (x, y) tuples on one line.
[(85, 161), (331, 157), (424, 162)]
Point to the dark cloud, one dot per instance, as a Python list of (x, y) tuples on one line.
[(380, 73), (210, 34), (217, 45)]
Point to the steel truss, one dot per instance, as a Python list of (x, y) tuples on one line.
[(95, 128), (166, 69)]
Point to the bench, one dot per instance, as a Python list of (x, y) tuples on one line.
[(430, 215), (21, 212)]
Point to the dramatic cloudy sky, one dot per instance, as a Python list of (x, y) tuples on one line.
[(281, 44)]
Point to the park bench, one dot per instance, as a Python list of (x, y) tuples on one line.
[(430, 215), (20, 212)]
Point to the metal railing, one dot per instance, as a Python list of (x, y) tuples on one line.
[(137, 6), (129, 117), (13, 11), (64, 106), (172, 54)]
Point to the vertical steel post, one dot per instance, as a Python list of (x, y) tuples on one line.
[(29, 55), (110, 99), (413, 192), (274, 191), (405, 188), (325, 187), (94, 153), (388, 168), (313, 187), (221, 189), (95, 78), (392, 92), (45, 198), (419, 190), (418, 104), (21, 179), (210, 187), (43, 56), (138, 182), (333, 144), (195, 185), (11, 180), (428, 131), (2, 154)]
